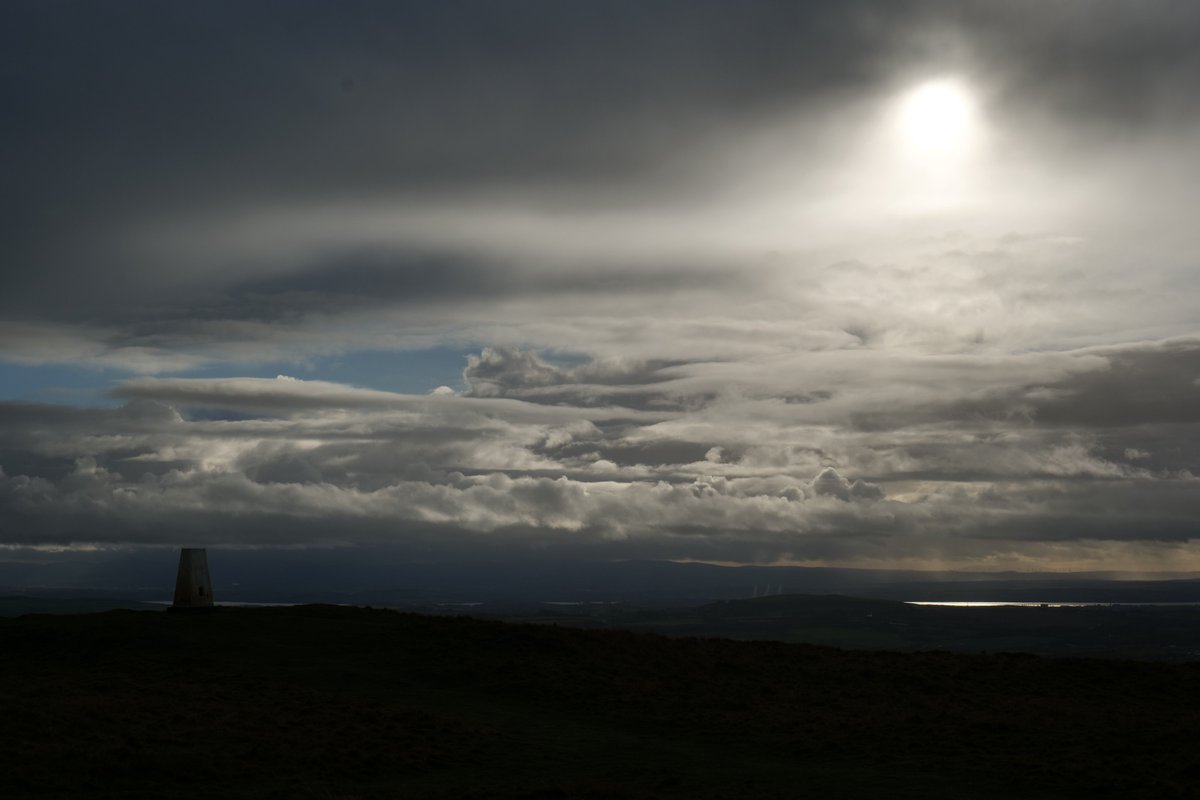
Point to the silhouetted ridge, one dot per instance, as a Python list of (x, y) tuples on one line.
[(327, 701)]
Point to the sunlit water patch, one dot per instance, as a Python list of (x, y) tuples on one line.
[(1027, 604)]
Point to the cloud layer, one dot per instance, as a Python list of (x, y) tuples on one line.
[(532, 457), (714, 308)]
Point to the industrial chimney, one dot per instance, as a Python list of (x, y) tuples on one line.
[(193, 587)]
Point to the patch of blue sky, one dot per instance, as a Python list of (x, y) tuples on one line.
[(405, 371), (58, 383)]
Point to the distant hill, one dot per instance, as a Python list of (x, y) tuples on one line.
[(379, 576), (334, 702), (1163, 633), (19, 605)]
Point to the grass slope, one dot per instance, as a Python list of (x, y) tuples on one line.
[(328, 702), (1138, 632)]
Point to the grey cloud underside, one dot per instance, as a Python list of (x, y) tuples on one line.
[(134, 118), (132, 114), (323, 463), (1151, 383)]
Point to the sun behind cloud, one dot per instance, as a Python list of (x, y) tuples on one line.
[(938, 118)]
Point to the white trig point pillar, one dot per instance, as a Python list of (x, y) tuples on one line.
[(193, 587)]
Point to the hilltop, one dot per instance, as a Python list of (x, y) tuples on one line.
[(335, 702)]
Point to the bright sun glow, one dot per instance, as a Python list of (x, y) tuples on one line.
[(938, 117)]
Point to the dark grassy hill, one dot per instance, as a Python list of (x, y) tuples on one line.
[(19, 605), (328, 702), (1164, 633)]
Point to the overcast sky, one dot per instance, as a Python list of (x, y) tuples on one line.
[(908, 284)]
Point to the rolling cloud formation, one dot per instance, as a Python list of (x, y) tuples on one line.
[(712, 306)]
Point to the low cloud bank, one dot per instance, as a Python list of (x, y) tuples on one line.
[(741, 476)]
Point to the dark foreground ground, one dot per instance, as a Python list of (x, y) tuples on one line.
[(328, 702)]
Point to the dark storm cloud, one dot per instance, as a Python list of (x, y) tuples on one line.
[(1148, 383), (511, 372), (123, 117), (127, 113), (1108, 62)]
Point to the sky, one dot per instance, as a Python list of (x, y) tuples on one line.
[(889, 284)]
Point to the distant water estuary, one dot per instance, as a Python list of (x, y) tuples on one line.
[(1027, 604)]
